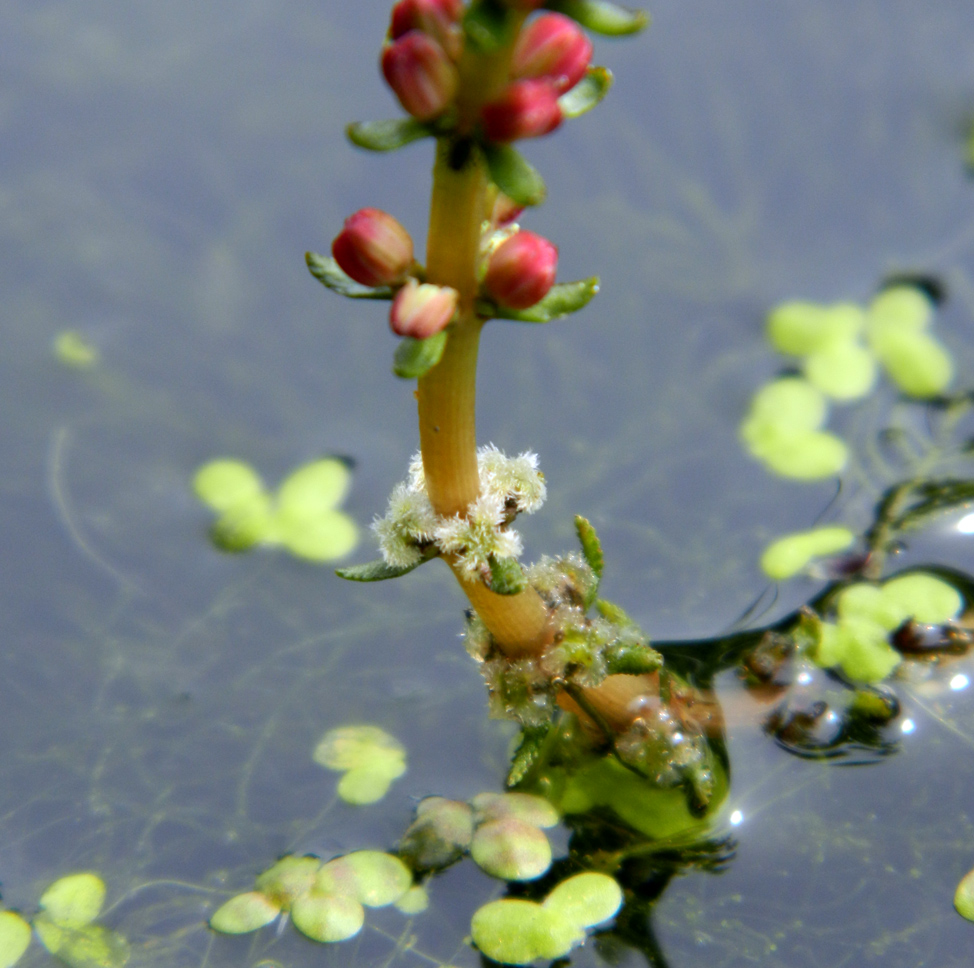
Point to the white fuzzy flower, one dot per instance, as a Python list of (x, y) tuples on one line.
[(514, 478), (409, 521)]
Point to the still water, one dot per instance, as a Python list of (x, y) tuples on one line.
[(164, 168)]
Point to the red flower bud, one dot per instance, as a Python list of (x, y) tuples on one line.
[(418, 70), (373, 248), (552, 47), (521, 270), (525, 110), (440, 19), (421, 311)]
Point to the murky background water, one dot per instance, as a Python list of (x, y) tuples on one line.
[(164, 167)]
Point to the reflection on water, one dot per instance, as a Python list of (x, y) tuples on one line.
[(164, 170)]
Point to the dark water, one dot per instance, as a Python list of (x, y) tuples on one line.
[(164, 167)]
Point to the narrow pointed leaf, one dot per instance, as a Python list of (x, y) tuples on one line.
[(387, 135), (527, 753), (416, 357), (328, 273), (586, 93), (487, 25), (514, 175), (506, 576), (591, 546), (933, 498), (601, 16), (563, 299), (378, 570)]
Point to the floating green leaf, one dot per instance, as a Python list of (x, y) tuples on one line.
[(924, 597), (527, 807), (859, 647), (806, 456), (511, 849), (585, 899), (586, 93), (327, 917), (371, 757), (513, 174), (14, 938), (287, 879), (75, 900), (414, 901), (516, 932), (327, 271), (73, 350), (225, 483), (244, 913), (387, 135), (601, 16), (916, 363), (899, 308), (964, 896), (843, 371), (378, 570), (563, 299), (90, 946), (247, 524), (416, 357), (440, 834), (801, 328), (374, 878), (791, 553)]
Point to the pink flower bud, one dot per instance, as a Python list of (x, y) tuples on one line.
[(526, 109), (521, 270), (552, 47), (422, 310), (418, 70), (440, 19), (373, 248)]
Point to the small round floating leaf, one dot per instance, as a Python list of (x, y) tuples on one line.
[(964, 896), (346, 747), (365, 785), (249, 523), (288, 878), (916, 363), (511, 850), (791, 554), (315, 488), (414, 901), (323, 537), (75, 900), (899, 308), (800, 328), (527, 807), (90, 946), (224, 484), (790, 403), (516, 932), (14, 938), (73, 350), (924, 597), (327, 917), (806, 456), (867, 601), (586, 899), (245, 912), (439, 835), (381, 878), (859, 647), (842, 371)]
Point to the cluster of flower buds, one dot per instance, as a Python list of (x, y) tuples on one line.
[(551, 56), (419, 63)]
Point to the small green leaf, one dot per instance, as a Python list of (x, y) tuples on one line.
[(287, 879), (487, 25), (414, 901), (586, 899), (440, 834), (924, 597), (601, 16), (613, 613), (90, 946), (917, 363), (528, 750), (791, 553), (586, 93), (387, 135), (631, 658), (244, 525), (511, 850), (371, 756), (378, 570), (964, 895), (563, 298), (527, 807), (14, 938), (506, 576), (327, 917), (223, 484), (366, 784), (843, 371), (330, 275), (800, 328), (416, 357), (244, 913), (514, 175), (591, 546), (75, 900), (514, 931), (372, 877)]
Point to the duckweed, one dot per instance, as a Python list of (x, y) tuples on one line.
[(370, 758), (791, 553)]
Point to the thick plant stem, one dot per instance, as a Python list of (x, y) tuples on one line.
[(447, 394)]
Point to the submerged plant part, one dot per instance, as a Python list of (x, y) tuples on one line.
[(369, 758)]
